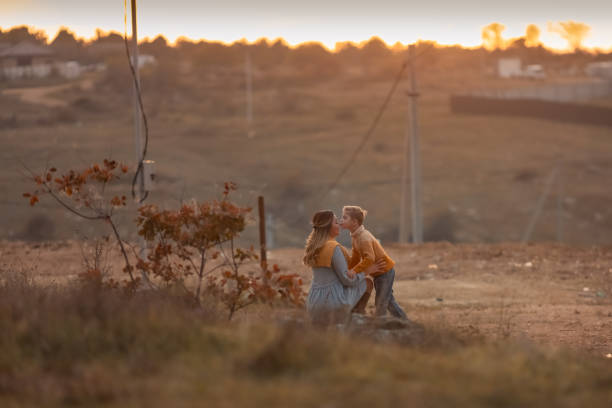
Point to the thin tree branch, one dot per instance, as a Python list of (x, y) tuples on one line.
[(72, 210), (201, 274), (125, 257)]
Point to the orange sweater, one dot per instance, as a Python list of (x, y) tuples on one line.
[(366, 251), (324, 257)]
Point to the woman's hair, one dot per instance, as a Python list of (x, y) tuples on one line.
[(355, 212), (321, 225)]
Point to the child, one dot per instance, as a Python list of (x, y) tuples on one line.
[(366, 250)]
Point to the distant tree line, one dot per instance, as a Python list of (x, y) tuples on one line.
[(178, 64)]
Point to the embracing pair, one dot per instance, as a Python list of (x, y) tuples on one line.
[(343, 283)]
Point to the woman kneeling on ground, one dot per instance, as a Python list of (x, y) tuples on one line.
[(335, 291)]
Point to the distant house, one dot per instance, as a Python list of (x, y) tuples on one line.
[(145, 59), (26, 60), (30, 60), (512, 68), (509, 67)]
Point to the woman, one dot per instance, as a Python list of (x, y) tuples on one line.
[(335, 290)]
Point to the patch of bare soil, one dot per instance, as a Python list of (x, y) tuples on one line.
[(44, 95), (546, 293), (554, 295)]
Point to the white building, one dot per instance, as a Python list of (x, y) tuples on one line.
[(31, 60), (509, 67), (26, 60)]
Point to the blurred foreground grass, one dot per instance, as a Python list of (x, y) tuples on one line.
[(76, 346)]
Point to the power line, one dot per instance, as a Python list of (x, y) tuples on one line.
[(367, 135), (139, 169), (371, 129), (363, 142)]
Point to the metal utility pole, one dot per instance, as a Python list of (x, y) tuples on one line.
[(137, 112), (412, 152), (138, 130), (249, 93), (403, 221)]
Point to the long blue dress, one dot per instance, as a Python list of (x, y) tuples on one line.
[(333, 294)]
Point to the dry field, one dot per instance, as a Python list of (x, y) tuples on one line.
[(482, 175), (505, 325), (512, 324), (551, 295)]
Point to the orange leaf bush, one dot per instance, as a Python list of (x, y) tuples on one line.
[(197, 240), (192, 247), (82, 193)]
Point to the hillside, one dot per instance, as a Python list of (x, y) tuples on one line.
[(482, 175)]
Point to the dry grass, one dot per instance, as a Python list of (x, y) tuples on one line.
[(74, 346), (473, 166)]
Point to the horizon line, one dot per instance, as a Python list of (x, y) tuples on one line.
[(271, 40)]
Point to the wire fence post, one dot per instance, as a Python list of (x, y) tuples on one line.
[(539, 206), (262, 232)]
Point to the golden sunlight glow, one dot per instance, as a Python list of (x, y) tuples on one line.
[(574, 33), (558, 36), (532, 35)]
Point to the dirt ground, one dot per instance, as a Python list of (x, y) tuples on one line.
[(552, 295), (43, 95)]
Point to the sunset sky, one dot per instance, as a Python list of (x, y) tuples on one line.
[(447, 22)]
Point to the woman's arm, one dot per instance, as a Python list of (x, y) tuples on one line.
[(348, 278)]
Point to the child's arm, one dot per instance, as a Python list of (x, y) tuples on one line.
[(366, 250)]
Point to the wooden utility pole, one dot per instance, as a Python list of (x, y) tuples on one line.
[(412, 151), (262, 233)]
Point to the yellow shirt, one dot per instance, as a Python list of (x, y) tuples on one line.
[(366, 251)]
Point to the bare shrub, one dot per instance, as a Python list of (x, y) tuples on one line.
[(39, 227), (64, 116), (82, 193), (95, 257), (525, 175), (441, 228), (9, 122), (345, 114), (505, 324), (87, 104)]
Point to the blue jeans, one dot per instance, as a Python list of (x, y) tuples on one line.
[(384, 300)]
